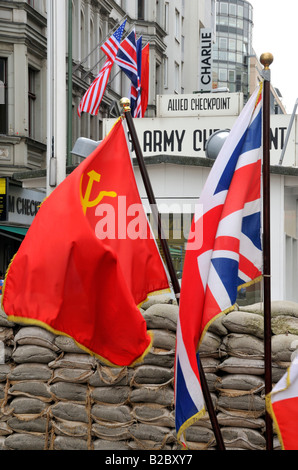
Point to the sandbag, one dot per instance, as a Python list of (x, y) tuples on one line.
[(152, 375), (71, 375), (70, 443), (33, 371), (240, 438), (237, 365), (102, 444), (32, 389), (75, 361), (70, 412), (112, 414), (111, 431), (210, 345), (32, 353), (40, 425), (37, 336), (114, 395), (283, 324), (150, 394), (162, 316), (241, 382), (243, 345), (154, 414), (244, 322), (20, 441)]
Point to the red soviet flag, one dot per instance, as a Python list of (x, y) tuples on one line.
[(89, 259), (145, 79)]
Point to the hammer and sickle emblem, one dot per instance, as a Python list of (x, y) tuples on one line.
[(85, 200)]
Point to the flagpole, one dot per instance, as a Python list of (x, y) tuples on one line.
[(266, 60), (125, 103)]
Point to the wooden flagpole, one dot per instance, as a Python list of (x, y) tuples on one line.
[(266, 60), (165, 247)]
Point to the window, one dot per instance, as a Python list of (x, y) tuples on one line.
[(31, 103), (177, 25), (232, 8), (232, 44), (167, 17), (224, 8), (141, 10), (3, 96), (165, 72), (177, 75), (223, 75), (232, 76), (223, 43)]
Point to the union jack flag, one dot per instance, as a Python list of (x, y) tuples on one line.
[(225, 256), (135, 93), (127, 57), (92, 98)]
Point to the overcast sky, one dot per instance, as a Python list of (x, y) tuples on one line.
[(276, 31)]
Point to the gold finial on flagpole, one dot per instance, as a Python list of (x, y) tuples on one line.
[(266, 59), (125, 103)]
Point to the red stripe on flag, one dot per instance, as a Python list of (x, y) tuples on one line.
[(286, 414), (248, 268), (245, 192)]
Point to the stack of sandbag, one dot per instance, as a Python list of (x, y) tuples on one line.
[(152, 391), (27, 398), (240, 374), (53, 395)]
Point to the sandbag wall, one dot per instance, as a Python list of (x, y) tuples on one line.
[(55, 396)]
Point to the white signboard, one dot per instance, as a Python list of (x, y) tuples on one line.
[(23, 204), (187, 137), (206, 41), (199, 104)]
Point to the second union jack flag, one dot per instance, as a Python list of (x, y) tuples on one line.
[(228, 257), (127, 57)]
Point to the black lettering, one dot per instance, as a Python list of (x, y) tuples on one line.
[(277, 137), (206, 35), (147, 144), (11, 207), (206, 52), (19, 205), (197, 139), (180, 139), (168, 141), (157, 141), (207, 63), (206, 79)]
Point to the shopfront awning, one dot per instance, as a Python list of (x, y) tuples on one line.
[(12, 231)]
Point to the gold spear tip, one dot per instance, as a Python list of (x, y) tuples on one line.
[(266, 59), (125, 103)]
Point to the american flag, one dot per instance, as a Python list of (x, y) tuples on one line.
[(127, 57), (224, 253), (111, 46), (92, 98)]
